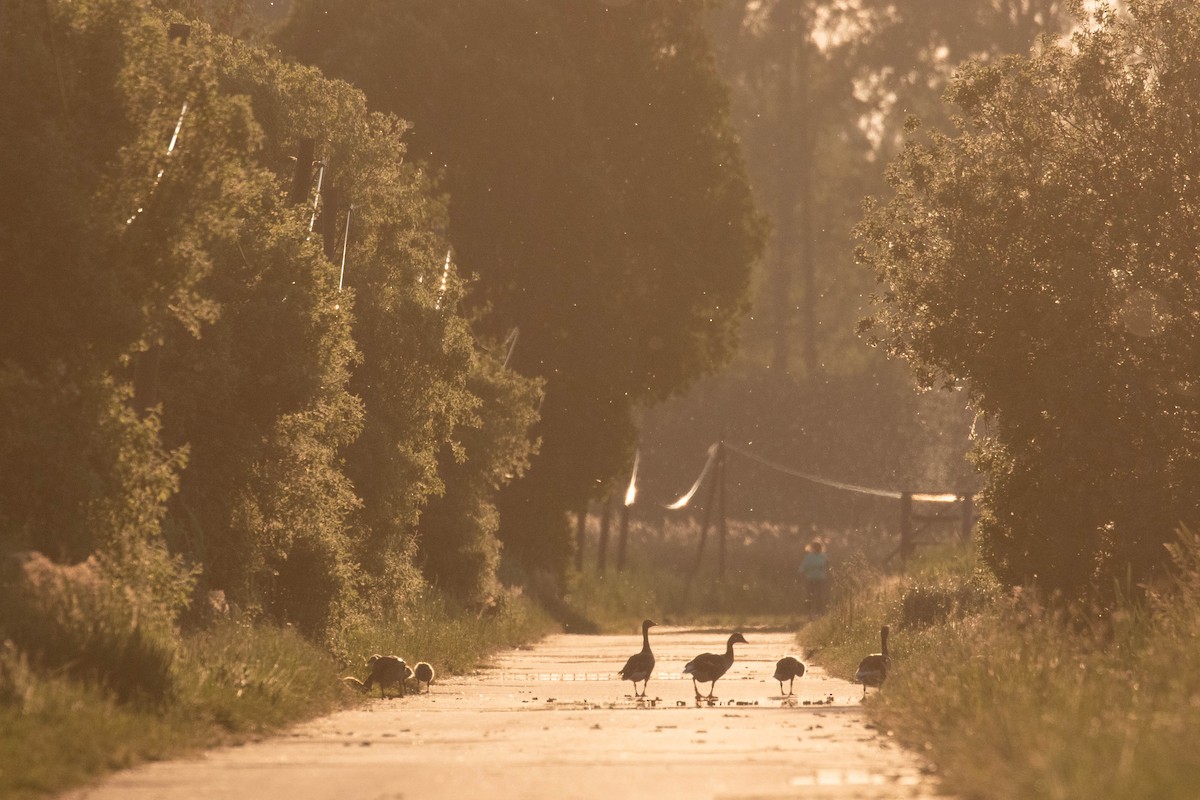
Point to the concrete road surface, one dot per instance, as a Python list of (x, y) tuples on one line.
[(554, 721)]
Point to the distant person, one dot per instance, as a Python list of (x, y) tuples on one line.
[(814, 569)]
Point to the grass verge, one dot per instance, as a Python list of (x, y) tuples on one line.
[(1009, 697), (232, 683)]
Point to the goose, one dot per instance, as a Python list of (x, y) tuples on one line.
[(640, 665), (873, 669), (788, 669), (423, 672), (709, 667), (387, 670)]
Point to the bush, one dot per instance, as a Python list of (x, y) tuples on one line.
[(947, 599), (77, 619)]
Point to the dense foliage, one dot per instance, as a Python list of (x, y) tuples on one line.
[(1044, 257), (596, 190), (94, 94), (214, 363)]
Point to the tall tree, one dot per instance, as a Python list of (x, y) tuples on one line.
[(820, 91), (105, 248), (596, 190), (1043, 256)]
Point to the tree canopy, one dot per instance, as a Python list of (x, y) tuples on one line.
[(215, 362), (1044, 256), (596, 191)]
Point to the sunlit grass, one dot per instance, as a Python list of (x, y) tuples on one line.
[(231, 682), (452, 641), (1010, 698)]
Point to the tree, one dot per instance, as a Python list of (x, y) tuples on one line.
[(105, 248), (1042, 257), (460, 526), (597, 192)]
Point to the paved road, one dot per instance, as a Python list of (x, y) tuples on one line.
[(553, 721)]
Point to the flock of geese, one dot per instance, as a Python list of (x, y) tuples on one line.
[(705, 668), (709, 667)]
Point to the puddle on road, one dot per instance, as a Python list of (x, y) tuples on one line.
[(858, 777), (630, 703)]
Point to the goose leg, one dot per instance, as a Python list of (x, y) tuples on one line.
[(695, 687), (712, 689), (791, 687)]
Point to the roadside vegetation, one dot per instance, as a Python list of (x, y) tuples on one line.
[(230, 682), (1009, 693), (1016, 261), (255, 424)]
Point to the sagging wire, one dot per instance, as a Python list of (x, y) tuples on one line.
[(345, 244), (511, 342), (158, 177), (631, 492), (312, 220), (944, 497), (683, 501), (442, 288)]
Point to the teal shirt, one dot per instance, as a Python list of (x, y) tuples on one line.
[(815, 566)]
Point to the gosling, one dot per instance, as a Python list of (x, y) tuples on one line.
[(423, 672), (788, 669)]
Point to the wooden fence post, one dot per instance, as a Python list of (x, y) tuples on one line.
[(723, 531), (708, 504), (968, 516), (906, 526), (580, 536), (602, 550), (622, 537)]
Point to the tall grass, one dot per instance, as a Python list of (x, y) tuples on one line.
[(76, 619), (64, 722), (432, 630), (1011, 697), (57, 730)]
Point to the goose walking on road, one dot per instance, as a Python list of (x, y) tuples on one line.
[(873, 669), (709, 667), (788, 669), (640, 665)]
